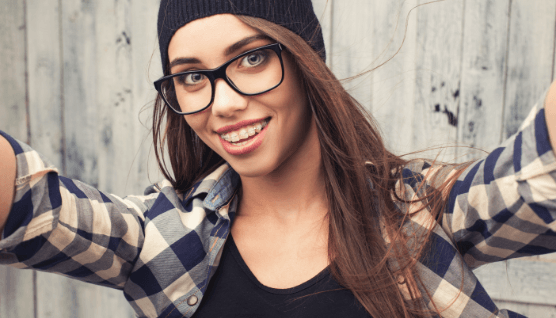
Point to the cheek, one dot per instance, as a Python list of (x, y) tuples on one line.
[(197, 122), (294, 96)]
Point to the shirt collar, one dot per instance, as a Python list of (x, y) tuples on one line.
[(219, 188)]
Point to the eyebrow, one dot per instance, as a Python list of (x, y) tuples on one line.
[(238, 45), (230, 50)]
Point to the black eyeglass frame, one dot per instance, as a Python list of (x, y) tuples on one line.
[(220, 72)]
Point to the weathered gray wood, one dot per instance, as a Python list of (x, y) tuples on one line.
[(70, 298), (530, 58), (520, 280), (79, 94), (439, 54), (114, 95), (16, 286), (351, 51), (145, 69), (45, 79), (16, 293), (56, 296), (483, 75), (393, 84), (13, 117), (528, 310)]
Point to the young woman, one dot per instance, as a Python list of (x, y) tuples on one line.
[(281, 200)]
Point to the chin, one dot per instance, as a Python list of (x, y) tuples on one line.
[(249, 170)]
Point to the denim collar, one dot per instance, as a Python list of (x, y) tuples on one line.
[(218, 188)]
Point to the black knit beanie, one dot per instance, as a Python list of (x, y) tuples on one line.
[(296, 15)]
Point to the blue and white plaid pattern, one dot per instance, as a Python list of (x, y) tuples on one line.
[(162, 248)]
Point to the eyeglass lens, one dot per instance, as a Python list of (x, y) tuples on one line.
[(251, 74)]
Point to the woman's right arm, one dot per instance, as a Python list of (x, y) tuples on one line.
[(65, 226), (7, 180)]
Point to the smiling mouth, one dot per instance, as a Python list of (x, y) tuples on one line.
[(242, 136)]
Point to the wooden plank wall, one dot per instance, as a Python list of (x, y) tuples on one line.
[(75, 76)]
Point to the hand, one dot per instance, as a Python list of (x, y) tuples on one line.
[(550, 114), (7, 180)]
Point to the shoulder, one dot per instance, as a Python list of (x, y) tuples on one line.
[(421, 177), (421, 193)]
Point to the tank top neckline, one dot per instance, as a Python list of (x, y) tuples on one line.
[(286, 291)]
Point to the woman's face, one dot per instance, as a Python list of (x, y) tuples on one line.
[(208, 43)]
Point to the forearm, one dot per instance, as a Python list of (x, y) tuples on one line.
[(550, 114), (7, 180)]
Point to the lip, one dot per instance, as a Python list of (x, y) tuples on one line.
[(239, 125), (253, 144)]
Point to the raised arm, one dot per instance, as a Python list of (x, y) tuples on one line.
[(7, 180), (504, 206), (550, 109), (65, 226)]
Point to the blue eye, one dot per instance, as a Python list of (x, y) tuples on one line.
[(254, 59), (192, 79)]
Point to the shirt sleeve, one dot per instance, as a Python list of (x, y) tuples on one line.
[(64, 226), (504, 206)]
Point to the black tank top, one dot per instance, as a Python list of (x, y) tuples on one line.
[(234, 291)]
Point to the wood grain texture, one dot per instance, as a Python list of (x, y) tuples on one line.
[(528, 310), (351, 51), (116, 148), (483, 75), (520, 280), (61, 297), (145, 68), (56, 296), (16, 293), (394, 36), (439, 56), (79, 90), (45, 79), (16, 286), (13, 90), (530, 59)]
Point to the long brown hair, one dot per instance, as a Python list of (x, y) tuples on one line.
[(362, 211)]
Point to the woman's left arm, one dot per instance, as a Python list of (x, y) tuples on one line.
[(550, 110)]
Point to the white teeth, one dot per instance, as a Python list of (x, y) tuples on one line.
[(244, 133), (234, 137)]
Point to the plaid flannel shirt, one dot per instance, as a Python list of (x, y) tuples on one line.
[(162, 248)]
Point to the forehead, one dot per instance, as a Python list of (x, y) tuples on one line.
[(208, 36)]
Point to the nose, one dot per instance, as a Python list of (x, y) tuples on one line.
[(226, 100)]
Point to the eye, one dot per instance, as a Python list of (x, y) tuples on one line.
[(254, 59), (191, 79)]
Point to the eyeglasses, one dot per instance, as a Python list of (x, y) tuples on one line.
[(251, 73)]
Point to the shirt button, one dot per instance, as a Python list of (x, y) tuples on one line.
[(192, 300)]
